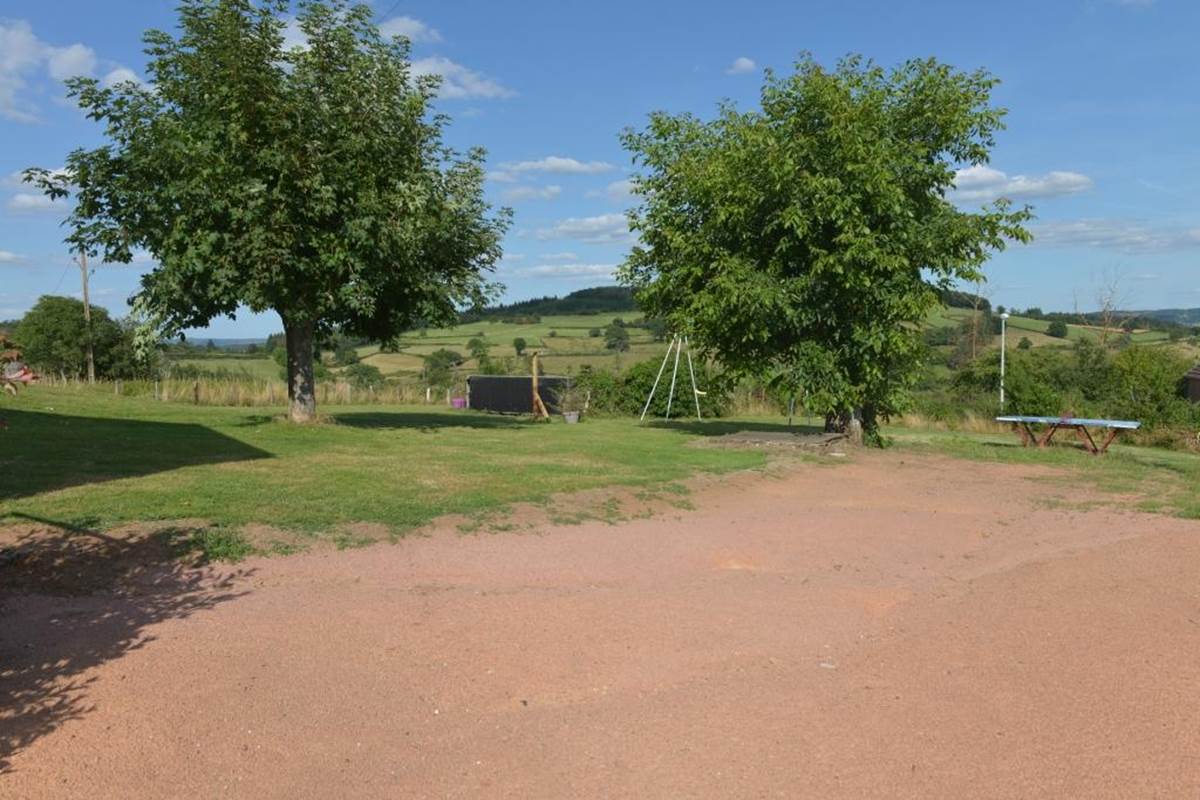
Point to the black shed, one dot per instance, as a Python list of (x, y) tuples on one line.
[(1193, 384), (513, 394)]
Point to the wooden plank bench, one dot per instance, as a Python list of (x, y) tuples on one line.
[(1023, 426)]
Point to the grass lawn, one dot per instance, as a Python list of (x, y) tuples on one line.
[(96, 461), (1143, 478)]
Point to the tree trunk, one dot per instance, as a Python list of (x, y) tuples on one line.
[(847, 422), (302, 396)]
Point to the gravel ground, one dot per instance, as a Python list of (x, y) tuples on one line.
[(887, 627)]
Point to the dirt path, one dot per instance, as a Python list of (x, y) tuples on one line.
[(891, 627)]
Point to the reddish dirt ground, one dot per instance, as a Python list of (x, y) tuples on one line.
[(889, 627)]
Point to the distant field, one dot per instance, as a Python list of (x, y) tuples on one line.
[(1035, 329), (260, 368), (564, 342), (566, 345)]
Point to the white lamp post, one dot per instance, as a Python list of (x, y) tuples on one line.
[(1003, 348)]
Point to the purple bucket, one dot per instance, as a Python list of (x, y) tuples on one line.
[(458, 402)]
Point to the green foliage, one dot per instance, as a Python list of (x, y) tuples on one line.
[(1058, 329), (616, 337), (1148, 384), (362, 376), (595, 333), (795, 240), (519, 345), (439, 367), (1140, 382), (1024, 344), (54, 336), (345, 355), (478, 348), (311, 181), (626, 393)]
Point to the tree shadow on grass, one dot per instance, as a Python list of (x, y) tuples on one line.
[(429, 420), (43, 452), (73, 598), (726, 427)]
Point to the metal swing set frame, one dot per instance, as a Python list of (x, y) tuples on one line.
[(678, 344)]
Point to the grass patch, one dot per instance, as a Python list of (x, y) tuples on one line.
[(1141, 478), (210, 544), (79, 455)]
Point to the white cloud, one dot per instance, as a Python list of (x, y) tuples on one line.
[(120, 75), (558, 164), (984, 183), (605, 228), (567, 271), (617, 191), (740, 66), (23, 55), (28, 203), (532, 193), (500, 176), (412, 29), (1125, 236), (460, 82), (564, 256), (9, 257), (67, 62)]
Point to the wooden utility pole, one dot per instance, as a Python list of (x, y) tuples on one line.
[(81, 260)]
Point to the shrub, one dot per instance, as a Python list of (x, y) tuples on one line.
[(626, 393), (1057, 329), (1024, 344), (594, 333), (616, 337), (362, 376), (1148, 386)]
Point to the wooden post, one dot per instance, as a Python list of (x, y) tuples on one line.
[(539, 408), (87, 317)]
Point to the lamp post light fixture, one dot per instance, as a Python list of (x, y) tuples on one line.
[(1003, 349)]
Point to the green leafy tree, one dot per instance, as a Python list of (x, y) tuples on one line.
[(519, 345), (1024, 344), (616, 337), (478, 348), (54, 337), (595, 333), (312, 181), (805, 241), (1057, 329), (439, 367), (345, 354), (363, 376)]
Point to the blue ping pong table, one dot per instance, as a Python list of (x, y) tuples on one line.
[(1082, 427)]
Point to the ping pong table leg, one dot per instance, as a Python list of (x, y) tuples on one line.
[(1025, 432), (1048, 435), (1112, 434), (1086, 437)]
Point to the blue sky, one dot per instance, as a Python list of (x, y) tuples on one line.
[(1104, 99)]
